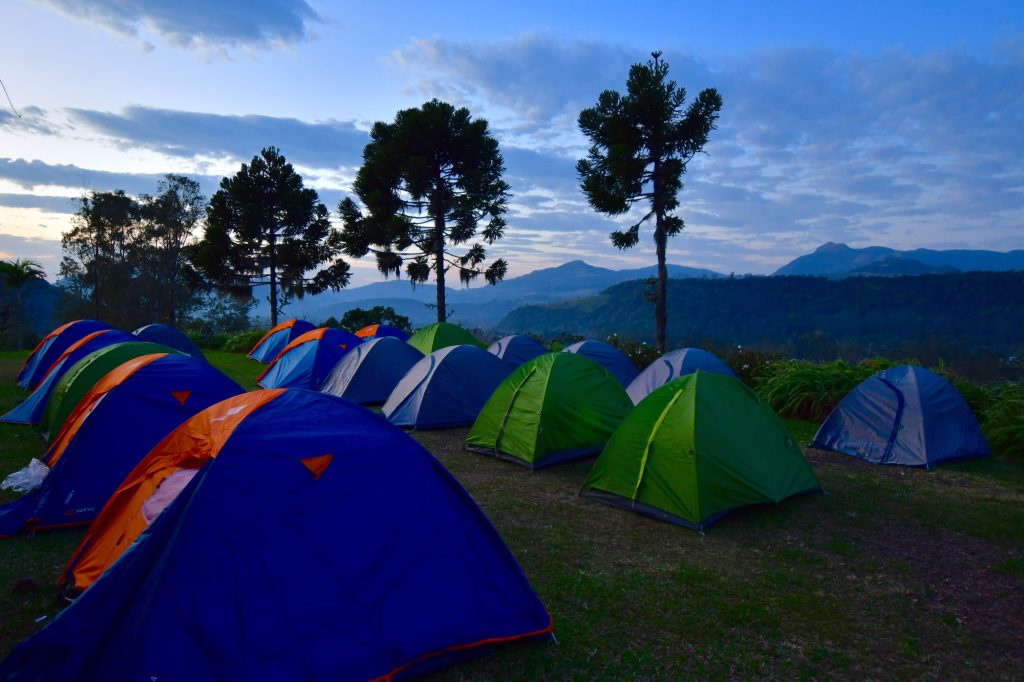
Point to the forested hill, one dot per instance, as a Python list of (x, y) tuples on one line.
[(977, 309)]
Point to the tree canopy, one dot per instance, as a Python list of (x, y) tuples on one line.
[(16, 276), (427, 180), (357, 318), (641, 144), (263, 227)]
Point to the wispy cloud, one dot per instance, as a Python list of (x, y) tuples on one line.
[(35, 174), (195, 24)]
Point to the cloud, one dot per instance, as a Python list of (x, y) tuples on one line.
[(46, 252), (198, 24), (327, 144), (43, 203), (34, 174)]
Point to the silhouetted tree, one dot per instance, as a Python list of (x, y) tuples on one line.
[(426, 182), (16, 276), (264, 227), (641, 144)]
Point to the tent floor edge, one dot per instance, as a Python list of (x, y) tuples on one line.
[(622, 502)]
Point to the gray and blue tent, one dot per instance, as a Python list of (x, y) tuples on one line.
[(903, 415), (371, 371), (168, 336), (672, 365), (516, 349), (609, 357), (446, 388)]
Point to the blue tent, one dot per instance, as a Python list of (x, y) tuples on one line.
[(516, 349), (903, 415), (609, 357), (31, 409), (316, 542), (52, 347), (377, 331), (114, 426), (170, 337), (307, 361), (371, 371), (274, 341), (446, 388), (672, 365)]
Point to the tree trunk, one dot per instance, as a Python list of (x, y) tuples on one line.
[(273, 279), (660, 315), (442, 313)]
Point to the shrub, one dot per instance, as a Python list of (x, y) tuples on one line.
[(804, 390), (242, 342), (1003, 422)]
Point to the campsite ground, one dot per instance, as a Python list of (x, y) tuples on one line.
[(892, 573)]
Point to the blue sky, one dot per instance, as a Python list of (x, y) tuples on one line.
[(872, 123)]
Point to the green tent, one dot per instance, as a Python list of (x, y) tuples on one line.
[(696, 448), (555, 407), (441, 335), (84, 374)]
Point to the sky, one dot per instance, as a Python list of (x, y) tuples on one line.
[(871, 122)]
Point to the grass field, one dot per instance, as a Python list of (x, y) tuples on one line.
[(892, 573)]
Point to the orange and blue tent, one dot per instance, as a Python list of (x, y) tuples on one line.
[(371, 371), (112, 428), (516, 349), (326, 547), (30, 411), (307, 361), (274, 341), (169, 336), (51, 347), (609, 357), (672, 365), (445, 389), (377, 331)]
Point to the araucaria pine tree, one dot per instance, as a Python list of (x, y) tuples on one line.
[(641, 143)]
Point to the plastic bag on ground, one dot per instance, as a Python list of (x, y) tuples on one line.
[(27, 479)]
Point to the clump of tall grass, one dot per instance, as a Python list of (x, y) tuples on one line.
[(799, 389), (1002, 422)]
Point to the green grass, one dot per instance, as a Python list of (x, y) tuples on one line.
[(892, 573)]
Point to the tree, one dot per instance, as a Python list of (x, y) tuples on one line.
[(426, 182), (16, 276), (357, 318), (641, 145), (264, 228)]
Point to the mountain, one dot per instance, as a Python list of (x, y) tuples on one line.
[(39, 306), (979, 310), (481, 305), (840, 260)]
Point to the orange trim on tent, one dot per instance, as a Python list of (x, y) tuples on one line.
[(189, 446), (284, 325), (85, 406), (70, 349), (311, 335), (181, 396), (55, 332), (317, 465), (462, 647), (367, 331)]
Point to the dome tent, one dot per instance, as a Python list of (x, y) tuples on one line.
[(114, 426), (170, 337), (84, 374), (441, 335), (31, 409), (52, 347), (696, 448), (609, 357), (330, 547), (556, 407), (517, 349), (307, 361), (274, 341), (903, 415), (445, 389), (672, 365), (371, 371), (378, 331)]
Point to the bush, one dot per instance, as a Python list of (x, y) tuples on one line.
[(242, 342), (1002, 422), (799, 389), (207, 341)]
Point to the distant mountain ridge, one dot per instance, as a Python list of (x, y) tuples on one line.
[(481, 305), (839, 260)]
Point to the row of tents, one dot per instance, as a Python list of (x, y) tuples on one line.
[(693, 445)]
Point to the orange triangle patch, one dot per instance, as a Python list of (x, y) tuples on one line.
[(317, 465), (343, 346), (181, 396)]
